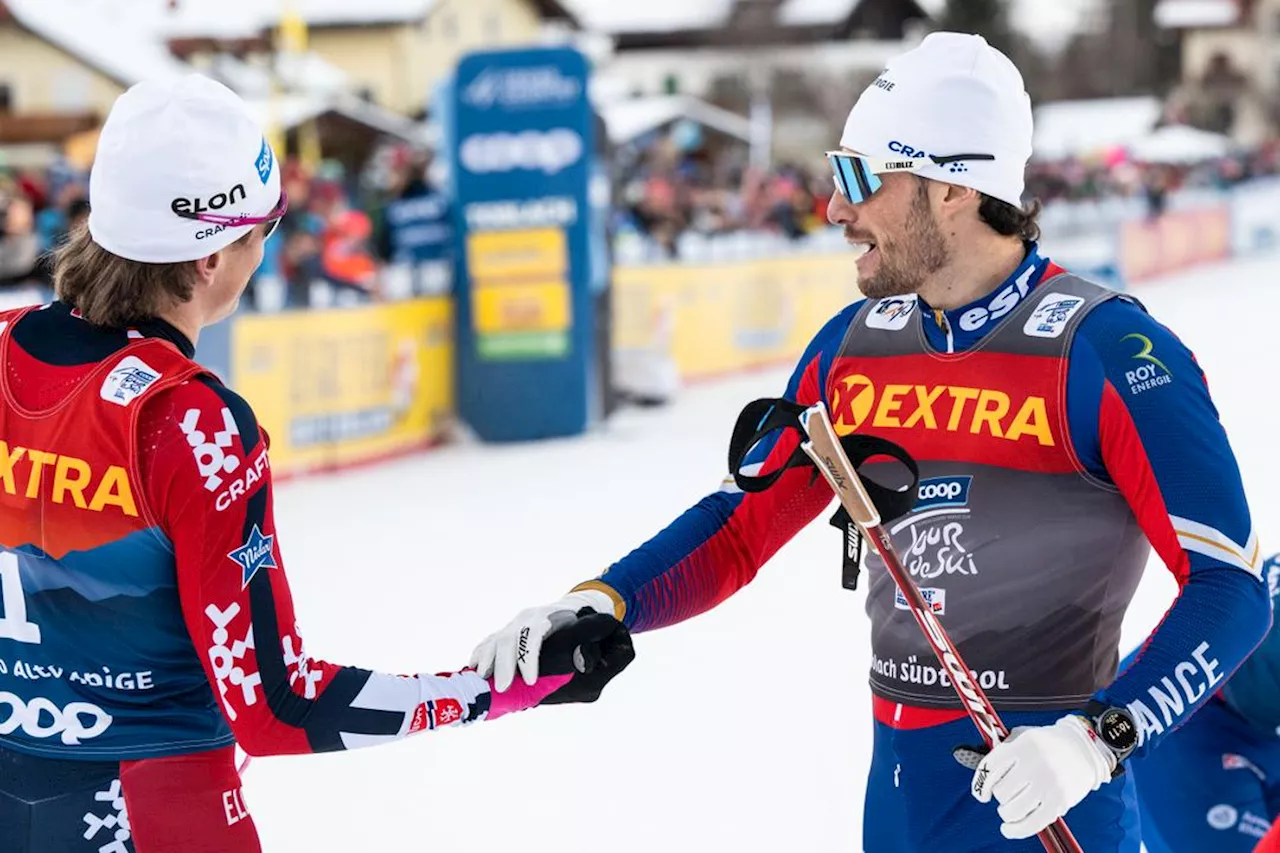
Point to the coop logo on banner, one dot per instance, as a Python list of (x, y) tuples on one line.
[(522, 88), (549, 152)]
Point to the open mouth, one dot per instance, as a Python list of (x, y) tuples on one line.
[(862, 249)]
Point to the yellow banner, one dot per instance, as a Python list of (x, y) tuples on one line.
[(521, 302), (343, 386), (719, 318)]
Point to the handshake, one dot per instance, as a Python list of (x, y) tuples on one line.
[(565, 652)]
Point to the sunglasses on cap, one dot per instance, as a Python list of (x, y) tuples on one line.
[(271, 219), (858, 178)]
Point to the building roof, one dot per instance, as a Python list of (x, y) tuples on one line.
[(94, 34), (650, 16), (242, 18), (1066, 129), (699, 23), (804, 12), (628, 119), (1191, 14)]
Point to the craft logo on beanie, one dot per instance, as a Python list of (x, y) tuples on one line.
[(951, 94), (179, 164)]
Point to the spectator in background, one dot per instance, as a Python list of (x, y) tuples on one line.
[(346, 254), (19, 244), (1155, 186)]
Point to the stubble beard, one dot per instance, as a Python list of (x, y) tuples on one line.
[(906, 263)]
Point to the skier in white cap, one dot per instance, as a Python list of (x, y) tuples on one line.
[(146, 623), (1061, 433)]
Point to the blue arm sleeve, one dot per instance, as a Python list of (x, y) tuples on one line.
[(715, 548), (1142, 419)]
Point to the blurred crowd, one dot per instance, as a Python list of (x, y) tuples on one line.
[(667, 193), (336, 235), (1111, 175), (332, 232)]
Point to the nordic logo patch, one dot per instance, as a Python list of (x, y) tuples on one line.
[(892, 313), (1051, 316), (128, 381)]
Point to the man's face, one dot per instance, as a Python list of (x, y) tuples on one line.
[(899, 232)]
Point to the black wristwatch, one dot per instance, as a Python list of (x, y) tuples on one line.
[(1116, 728)]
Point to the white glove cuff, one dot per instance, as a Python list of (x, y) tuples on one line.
[(1101, 758)]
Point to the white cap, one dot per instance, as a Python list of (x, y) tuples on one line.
[(952, 94), (185, 145)]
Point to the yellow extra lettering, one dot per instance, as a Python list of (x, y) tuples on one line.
[(925, 398), (114, 491), (959, 396), (1032, 419), (7, 461), (64, 483), (890, 402), (992, 407), (39, 459)]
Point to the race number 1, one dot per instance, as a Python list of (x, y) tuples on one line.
[(13, 621)]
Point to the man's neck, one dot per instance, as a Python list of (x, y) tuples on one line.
[(973, 273), (182, 318)]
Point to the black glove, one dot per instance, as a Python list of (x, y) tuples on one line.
[(594, 648)]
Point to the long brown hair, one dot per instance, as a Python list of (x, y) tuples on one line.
[(112, 291)]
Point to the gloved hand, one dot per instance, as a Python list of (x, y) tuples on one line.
[(576, 661), (1039, 773), (519, 644)]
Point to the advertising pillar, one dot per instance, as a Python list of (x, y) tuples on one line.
[(521, 146)]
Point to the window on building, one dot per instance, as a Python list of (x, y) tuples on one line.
[(671, 85), (6, 98)]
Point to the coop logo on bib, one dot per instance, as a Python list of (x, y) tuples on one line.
[(943, 491), (40, 718)]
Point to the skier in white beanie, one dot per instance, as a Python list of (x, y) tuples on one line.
[(147, 624), (1050, 419)]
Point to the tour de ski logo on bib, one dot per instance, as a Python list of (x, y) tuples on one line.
[(937, 548)]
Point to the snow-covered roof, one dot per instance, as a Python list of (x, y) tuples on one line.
[(1071, 128), (308, 73), (650, 16), (292, 110), (102, 39), (1179, 14), (797, 13), (626, 120), (1177, 143), (237, 18)]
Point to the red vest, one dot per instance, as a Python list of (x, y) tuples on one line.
[(95, 659)]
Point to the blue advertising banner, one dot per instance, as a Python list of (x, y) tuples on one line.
[(521, 159), (421, 236)]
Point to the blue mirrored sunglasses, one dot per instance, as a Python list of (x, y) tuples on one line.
[(858, 178)]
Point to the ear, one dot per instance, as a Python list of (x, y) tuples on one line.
[(952, 199), (207, 268)]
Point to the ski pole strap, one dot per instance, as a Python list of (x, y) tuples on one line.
[(762, 417)]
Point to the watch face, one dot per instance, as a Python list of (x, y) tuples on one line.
[(1117, 730)]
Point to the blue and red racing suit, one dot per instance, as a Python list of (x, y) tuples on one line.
[(1062, 433)]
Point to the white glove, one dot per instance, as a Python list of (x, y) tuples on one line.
[(520, 643), (1039, 773)]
